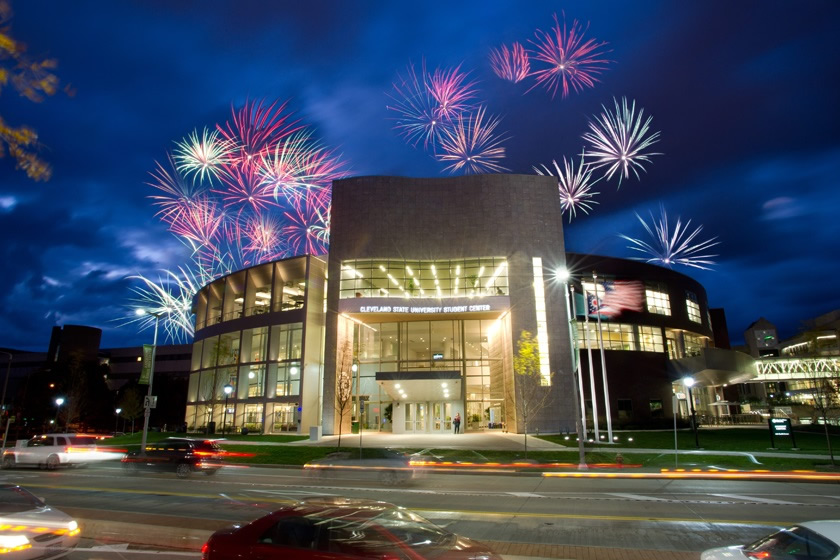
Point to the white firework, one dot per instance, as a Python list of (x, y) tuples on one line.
[(574, 183), (170, 299), (620, 141), (673, 247), (203, 157)]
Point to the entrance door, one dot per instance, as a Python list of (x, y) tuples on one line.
[(441, 417), (415, 417)]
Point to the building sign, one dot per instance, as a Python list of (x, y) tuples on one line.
[(780, 426), (422, 307), (437, 356)]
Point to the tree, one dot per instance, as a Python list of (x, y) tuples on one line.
[(343, 384), (131, 404), (823, 386), (531, 395), (33, 79)]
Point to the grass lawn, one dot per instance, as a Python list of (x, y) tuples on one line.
[(811, 441), (136, 438)]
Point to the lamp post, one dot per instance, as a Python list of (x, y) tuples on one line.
[(689, 383), (228, 390), (580, 420), (147, 408), (116, 419), (3, 398), (58, 402)]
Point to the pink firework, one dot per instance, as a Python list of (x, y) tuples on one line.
[(176, 192), (573, 62), (471, 145), (416, 108), (262, 233), (243, 189), (307, 228), (511, 64), (255, 128), (452, 91), (200, 222)]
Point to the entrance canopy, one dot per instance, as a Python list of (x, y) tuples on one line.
[(419, 386)]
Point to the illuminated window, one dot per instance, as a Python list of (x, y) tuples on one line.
[(650, 339), (657, 300), (694, 344), (692, 307), (542, 322), (424, 279), (616, 336)]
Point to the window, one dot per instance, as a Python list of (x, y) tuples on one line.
[(475, 277), (616, 336), (656, 296), (288, 379), (256, 379), (625, 409), (694, 344), (656, 408), (692, 307), (650, 339)]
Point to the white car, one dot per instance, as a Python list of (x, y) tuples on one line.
[(54, 450), (812, 540), (29, 529)]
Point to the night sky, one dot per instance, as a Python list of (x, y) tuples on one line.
[(745, 95)]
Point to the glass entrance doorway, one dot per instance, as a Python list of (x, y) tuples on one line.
[(441, 417), (415, 417)]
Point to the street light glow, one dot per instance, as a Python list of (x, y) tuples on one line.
[(59, 401), (688, 381)]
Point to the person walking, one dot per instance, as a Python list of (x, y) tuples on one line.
[(457, 422)]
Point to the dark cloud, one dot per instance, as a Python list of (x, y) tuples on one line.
[(744, 95)]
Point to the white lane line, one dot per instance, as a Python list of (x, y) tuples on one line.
[(754, 499), (639, 497), (101, 549), (525, 494)]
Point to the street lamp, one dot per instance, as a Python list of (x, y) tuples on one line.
[(58, 402), (116, 419), (147, 405), (228, 390), (689, 383), (564, 276)]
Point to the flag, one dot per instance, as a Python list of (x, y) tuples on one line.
[(619, 295)]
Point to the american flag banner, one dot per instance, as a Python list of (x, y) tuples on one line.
[(619, 295)]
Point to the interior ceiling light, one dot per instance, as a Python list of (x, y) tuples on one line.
[(263, 295), (408, 269), (382, 268)]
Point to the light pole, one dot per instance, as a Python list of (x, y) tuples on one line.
[(58, 402), (116, 419), (580, 419), (147, 408), (228, 390), (3, 398), (689, 383)]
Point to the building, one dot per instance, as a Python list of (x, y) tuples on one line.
[(432, 282)]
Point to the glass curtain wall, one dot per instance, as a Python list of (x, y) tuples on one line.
[(473, 347)]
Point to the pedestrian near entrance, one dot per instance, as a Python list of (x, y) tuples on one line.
[(457, 422)]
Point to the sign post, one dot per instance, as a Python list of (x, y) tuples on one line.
[(781, 427)]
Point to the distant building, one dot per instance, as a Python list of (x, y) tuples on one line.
[(762, 339)]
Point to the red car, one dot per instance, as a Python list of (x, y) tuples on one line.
[(337, 528)]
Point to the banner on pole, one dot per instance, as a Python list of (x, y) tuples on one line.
[(148, 357)]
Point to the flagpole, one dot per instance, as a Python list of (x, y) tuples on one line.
[(591, 371), (577, 365), (603, 360)]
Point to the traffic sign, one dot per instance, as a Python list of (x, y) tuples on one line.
[(149, 401)]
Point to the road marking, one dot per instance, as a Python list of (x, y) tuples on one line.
[(640, 497), (754, 499), (118, 549), (525, 495)]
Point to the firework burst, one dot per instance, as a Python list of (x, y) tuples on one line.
[(574, 183), (204, 156), (176, 193), (669, 247), (307, 228), (472, 146), (452, 91), (416, 109), (170, 298), (511, 64), (620, 140), (573, 62)]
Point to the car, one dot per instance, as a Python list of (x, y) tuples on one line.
[(30, 529), (811, 540), (390, 467), (183, 456), (341, 528), (58, 450)]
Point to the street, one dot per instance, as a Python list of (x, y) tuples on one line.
[(682, 515)]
